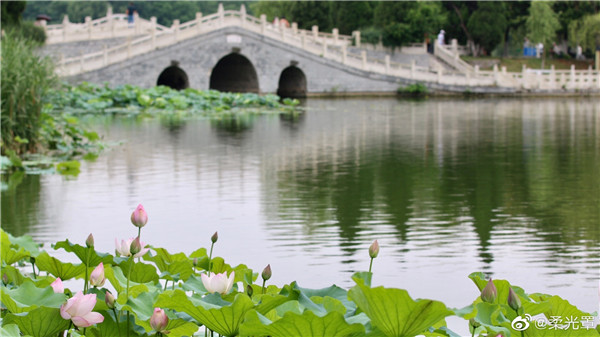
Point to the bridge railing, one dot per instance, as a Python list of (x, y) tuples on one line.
[(550, 79), (453, 59), (331, 46)]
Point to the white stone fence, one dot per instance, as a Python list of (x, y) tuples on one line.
[(330, 46)]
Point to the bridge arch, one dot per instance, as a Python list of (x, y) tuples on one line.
[(292, 83), (173, 77), (234, 73)]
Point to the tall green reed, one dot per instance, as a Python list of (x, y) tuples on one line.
[(25, 78)]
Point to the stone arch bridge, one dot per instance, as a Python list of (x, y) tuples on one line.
[(233, 51)]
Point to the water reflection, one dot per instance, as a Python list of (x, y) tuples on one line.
[(448, 187), (20, 203)]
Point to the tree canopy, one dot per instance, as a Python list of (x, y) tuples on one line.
[(480, 24)]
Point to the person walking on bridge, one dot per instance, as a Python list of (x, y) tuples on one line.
[(130, 11)]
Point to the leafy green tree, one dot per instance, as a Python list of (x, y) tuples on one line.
[(352, 15), (11, 12), (542, 24), (585, 32), (406, 22), (488, 24), (569, 11)]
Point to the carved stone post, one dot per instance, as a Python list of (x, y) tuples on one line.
[(88, 23), (65, 25), (198, 22), (263, 23), (221, 12), (243, 14), (153, 31), (356, 35), (363, 55), (336, 35), (175, 28)]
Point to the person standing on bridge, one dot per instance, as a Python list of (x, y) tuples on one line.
[(130, 11), (440, 37)]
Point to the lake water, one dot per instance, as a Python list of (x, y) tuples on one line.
[(509, 187)]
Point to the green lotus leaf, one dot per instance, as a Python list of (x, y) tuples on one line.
[(28, 297), (224, 320), (172, 263), (142, 307), (26, 241), (308, 298), (140, 272), (8, 254), (39, 322), (13, 274), (88, 256), (54, 266), (306, 325), (194, 283), (10, 330), (109, 327), (118, 280), (566, 312), (394, 312)]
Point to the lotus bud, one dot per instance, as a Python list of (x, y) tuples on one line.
[(266, 273), (97, 277), (135, 246), (195, 262), (513, 300), (159, 320), (139, 218), (5, 279), (90, 241), (374, 249), (474, 323), (489, 293), (57, 286), (214, 237), (249, 290), (109, 299)]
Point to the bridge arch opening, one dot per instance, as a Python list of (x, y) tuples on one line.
[(234, 73), (173, 77), (292, 83)]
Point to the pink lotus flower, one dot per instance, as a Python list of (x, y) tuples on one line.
[(97, 277), (139, 217), (123, 249), (57, 286), (218, 283), (79, 310), (159, 320)]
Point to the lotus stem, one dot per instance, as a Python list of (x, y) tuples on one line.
[(127, 292), (371, 265), (117, 319), (210, 257), (263, 286), (87, 262), (33, 267)]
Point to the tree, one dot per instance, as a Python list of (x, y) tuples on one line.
[(542, 24), (405, 22), (585, 32), (11, 12), (488, 24)]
